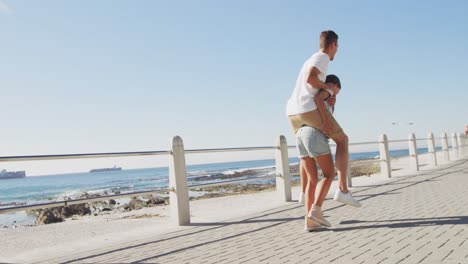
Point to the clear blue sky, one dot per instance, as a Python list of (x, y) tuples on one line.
[(102, 76)]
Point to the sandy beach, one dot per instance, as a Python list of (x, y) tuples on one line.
[(35, 243)]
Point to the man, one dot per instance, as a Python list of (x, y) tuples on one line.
[(302, 110)]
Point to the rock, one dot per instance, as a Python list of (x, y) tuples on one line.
[(66, 211), (136, 203), (48, 216), (58, 214), (76, 209), (112, 202), (155, 201)]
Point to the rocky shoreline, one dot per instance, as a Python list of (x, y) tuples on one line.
[(62, 213)]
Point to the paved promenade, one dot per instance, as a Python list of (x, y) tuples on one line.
[(419, 218)]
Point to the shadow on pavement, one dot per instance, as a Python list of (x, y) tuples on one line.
[(405, 223)]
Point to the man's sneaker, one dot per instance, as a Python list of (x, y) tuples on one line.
[(346, 198), (301, 199), (310, 225), (316, 215)]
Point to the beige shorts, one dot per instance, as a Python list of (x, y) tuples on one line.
[(313, 119)]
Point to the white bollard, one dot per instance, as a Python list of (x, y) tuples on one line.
[(445, 147), (464, 143), (283, 178), (413, 152), (454, 146), (385, 165), (460, 146), (349, 177), (178, 191), (431, 148)]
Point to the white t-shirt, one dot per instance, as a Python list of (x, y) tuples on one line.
[(302, 98)]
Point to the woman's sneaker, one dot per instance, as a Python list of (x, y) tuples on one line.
[(346, 198), (316, 215), (310, 225)]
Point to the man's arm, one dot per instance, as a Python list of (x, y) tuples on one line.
[(319, 101), (315, 82)]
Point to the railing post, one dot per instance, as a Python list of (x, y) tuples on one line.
[(454, 146), (349, 177), (464, 138), (445, 148), (283, 180), (413, 152), (385, 163), (431, 148), (178, 191), (460, 146)]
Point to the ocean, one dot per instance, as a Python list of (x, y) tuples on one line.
[(32, 190)]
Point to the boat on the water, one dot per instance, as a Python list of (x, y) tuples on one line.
[(4, 174), (115, 168)]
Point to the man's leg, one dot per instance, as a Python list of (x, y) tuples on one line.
[(313, 119), (310, 170), (296, 125), (342, 159)]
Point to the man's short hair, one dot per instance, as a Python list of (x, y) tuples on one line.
[(332, 78), (328, 37)]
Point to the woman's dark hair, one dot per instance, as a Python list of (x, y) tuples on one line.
[(332, 78)]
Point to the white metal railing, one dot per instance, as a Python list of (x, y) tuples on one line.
[(178, 188), (81, 156)]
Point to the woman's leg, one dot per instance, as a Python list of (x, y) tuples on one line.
[(303, 174), (326, 164)]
